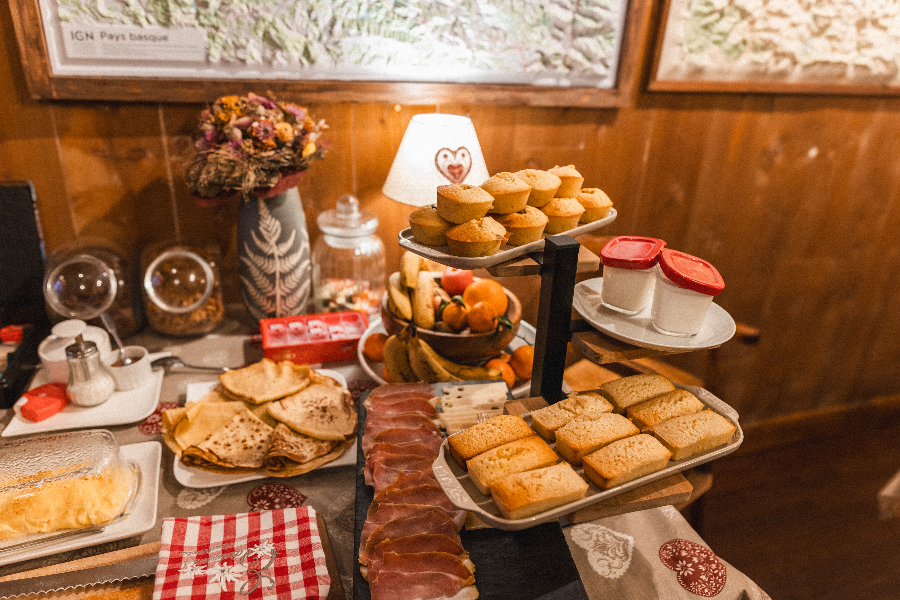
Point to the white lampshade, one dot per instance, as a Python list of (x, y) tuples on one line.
[(437, 149)]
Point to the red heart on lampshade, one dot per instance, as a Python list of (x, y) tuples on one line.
[(453, 164)]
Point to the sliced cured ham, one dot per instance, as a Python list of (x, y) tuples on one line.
[(379, 422), (407, 463), (423, 542), (405, 405), (422, 424), (426, 493), (394, 585), (418, 435), (406, 480), (386, 470), (424, 562), (411, 448), (430, 520), (383, 513), (391, 389), (403, 449)]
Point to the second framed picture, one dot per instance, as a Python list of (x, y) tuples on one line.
[(773, 46)]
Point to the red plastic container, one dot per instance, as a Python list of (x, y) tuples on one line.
[(313, 339)]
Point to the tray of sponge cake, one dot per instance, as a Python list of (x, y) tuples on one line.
[(265, 420), (507, 216), (515, 472)]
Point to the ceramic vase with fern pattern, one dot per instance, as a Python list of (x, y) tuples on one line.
[(273, 255)]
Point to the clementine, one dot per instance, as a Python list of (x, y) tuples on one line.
[(506, 371), (455, 315), (522, 361), (373, 347), (482, 317), (489, 291)]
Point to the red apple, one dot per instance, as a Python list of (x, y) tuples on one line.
[(455, 281)]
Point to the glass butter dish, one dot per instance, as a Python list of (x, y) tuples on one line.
[(62, 485)]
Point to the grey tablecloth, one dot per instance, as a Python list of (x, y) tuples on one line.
[(330, 491)]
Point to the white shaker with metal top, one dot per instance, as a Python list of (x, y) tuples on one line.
[(89, 381)]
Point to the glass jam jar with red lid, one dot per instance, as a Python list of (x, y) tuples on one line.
[(685, 287), (629, 272)]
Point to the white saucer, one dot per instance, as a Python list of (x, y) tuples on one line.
[(193, 477), (718, 327)]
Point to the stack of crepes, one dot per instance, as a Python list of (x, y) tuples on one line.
[(410, 547), (280, 417)]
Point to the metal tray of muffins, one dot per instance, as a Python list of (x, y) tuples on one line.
[(465, 495), (441, 254)]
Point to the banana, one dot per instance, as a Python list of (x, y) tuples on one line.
[(458, 371), (410, 265), (398, 300), (423, 300), (427, 369), (396, 361)]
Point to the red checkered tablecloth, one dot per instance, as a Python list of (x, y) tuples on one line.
[(271, 554)]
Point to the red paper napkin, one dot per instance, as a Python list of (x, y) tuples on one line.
[(262, 555)]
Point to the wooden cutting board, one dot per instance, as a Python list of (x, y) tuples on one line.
[(143, 589)]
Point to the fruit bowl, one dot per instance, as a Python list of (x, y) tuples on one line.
[(466, 347)]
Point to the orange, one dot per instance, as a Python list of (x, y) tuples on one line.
[(385, 376), (522, 361), (373, 347), (482, 317), (489, 291), (506, 371), (455, 316)]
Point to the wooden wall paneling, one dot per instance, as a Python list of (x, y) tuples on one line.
[(815, 150), (28, 149), (377, 132), (112, 159)]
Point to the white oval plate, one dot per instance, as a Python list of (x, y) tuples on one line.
[(524, 336), (193, 477), (718, 327)]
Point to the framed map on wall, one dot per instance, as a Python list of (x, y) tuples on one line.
[(800, 46), (533, 51)]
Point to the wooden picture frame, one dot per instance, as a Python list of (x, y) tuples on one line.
[(707, 67), (44, 84)]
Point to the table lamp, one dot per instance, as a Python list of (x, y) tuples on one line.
[(437, 149)]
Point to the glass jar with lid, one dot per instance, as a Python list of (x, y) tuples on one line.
[(181, 288), (348, 260)]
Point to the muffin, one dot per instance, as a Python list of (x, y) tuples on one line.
[(509, 192), (543, 185), (525, 226), (428, 227), (562, 214), (460, 202), (478, 237), (595, 202), (571, 181)]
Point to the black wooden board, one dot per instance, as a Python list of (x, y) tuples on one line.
[(532, 564)]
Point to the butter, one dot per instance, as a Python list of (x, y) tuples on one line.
[(66, 504)]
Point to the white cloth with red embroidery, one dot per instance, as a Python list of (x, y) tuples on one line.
[(266, 555), (653, 554)]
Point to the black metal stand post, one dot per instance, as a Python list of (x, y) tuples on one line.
[(559, 262)]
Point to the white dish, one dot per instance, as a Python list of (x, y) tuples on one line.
[(142, 518), (122, 408), (441, 254), (524, 336), (465, 495), (198, 478), (718, 327)]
